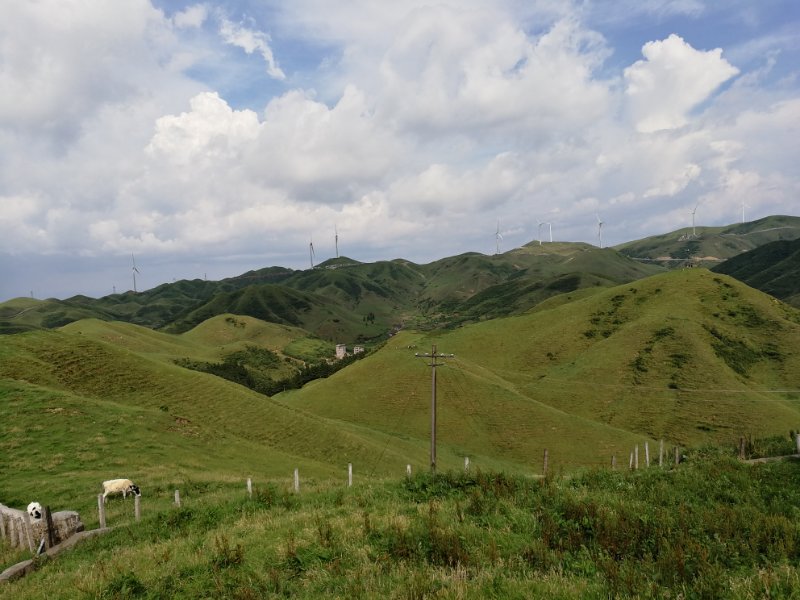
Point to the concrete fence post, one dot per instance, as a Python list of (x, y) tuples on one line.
[(101, 511), (349, 474), (137, 508), (466, 464), (249, 487), (177, 498), (26, 523), (297, 481), (408, 471)]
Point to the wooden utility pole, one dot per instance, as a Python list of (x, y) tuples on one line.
[(433, 356)]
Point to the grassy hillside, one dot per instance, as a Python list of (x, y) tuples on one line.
[(708, 246), (28, 314), (710, 528), (773, 268), (346, 301), (78, 409), (687, 356)]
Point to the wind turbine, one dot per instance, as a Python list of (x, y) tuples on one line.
[(311, 253), (539, 231), (135, 271), (599, 229), (497, 238), (694, 211), (743, 205), (550, 228), (336, 234)]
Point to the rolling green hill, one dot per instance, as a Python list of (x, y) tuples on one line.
[(708, 246), (688, 356), (343, 300), (773, 268), (76, 407)]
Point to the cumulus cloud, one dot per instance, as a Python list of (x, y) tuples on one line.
[(673, 79), (123, 130)]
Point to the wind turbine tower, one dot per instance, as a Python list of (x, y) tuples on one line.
[(694, 234), (539, 230), (311, 253), (336, 237), (599, 230), (743, 205), (497, 238), (550, 228), (134, 271)]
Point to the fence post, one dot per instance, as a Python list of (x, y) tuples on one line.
[(101, 511), (408, 471), (2, 526), (741, 447), (677, 455), (630, 462), (26, 524), (797, 442), (636, 457), (50, 533), (349, 474), (466, 464), (661, 452), (249, 487), (647, 454), (613, 462), (137, 508), (177, 498), (544, 466), (297, 481)]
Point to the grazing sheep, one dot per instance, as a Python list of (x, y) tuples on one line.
[(120, 486), (35, 510)]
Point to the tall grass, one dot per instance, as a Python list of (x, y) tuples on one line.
[(711, 528)]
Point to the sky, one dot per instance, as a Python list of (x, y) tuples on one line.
[(206, 139)]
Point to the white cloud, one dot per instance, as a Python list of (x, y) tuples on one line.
[(414, 119), (673, 79), (251, 41), (191, 17)]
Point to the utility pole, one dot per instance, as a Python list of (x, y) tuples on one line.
[(433, 356)]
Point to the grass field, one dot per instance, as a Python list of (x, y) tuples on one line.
[(688, 356), (710, 528)]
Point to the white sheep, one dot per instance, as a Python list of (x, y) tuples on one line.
[(35, 510), (117, 486)]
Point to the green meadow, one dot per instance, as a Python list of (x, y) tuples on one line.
[(587, 372)]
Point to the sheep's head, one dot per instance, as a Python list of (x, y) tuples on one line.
[(35, 510), (134, 489)]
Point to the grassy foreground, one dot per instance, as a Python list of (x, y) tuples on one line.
[(712, 527)]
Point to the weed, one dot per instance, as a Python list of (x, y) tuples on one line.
[(224, 555)]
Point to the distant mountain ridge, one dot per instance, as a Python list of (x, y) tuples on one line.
[(773, 268), (709, 246), (342, 299)]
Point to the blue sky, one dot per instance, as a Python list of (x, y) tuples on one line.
[(212, 138)]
